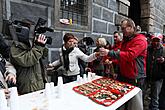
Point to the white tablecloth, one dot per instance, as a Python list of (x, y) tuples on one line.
[(69, 100)]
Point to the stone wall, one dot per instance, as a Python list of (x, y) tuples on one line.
[(159, 16), (1, 14), (105, 18), (152, 16)]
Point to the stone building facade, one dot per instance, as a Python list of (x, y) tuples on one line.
[(103, 17)]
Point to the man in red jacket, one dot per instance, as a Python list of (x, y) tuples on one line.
[(132, 61)]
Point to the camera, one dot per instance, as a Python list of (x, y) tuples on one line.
[(41, 29), (21, 30)]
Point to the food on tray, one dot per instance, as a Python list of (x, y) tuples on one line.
[(104, 81), (121, 87), (104, 90), (115, 85), (105, 97), (87, 88)]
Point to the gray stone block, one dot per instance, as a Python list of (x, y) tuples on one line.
[(107, 15), (43, 2), (56, 39), (55, 55), (118, 19), (96, 11), (123, 9), (101, 2), (111, 28), (113, 5), (99, 27), (22, 11), (79, 35)]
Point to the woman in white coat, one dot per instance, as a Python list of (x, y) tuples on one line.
[(69, 55)]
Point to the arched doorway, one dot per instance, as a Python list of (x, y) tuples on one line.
[(135, 11)]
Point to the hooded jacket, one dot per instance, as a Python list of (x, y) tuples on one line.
[(132, 57), (28, 66)]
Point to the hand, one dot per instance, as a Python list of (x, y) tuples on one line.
[(7, 93), (103, 51), (88, 69), (49, 67), (11, 77), (41, 39), (114, 76), (107, 61), (160, 60)]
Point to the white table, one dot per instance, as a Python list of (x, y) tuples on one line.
[(70, 100)]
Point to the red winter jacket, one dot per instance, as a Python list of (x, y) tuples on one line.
[(132, 57)]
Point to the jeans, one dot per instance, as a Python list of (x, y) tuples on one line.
[(155, 91)]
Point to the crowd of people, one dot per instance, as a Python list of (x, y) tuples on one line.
[(135, 58)]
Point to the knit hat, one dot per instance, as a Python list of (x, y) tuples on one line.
[(157, 36)]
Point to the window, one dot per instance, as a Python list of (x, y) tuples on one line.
[(79, 11)]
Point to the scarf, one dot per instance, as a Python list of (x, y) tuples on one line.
[(65, 54)]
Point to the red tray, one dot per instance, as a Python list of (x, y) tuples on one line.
[(104, 91), (87, 88), (114, 85), (105, 97)]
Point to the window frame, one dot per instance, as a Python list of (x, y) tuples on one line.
[(59, 26)]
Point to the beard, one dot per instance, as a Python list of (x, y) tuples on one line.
[(155, 45)]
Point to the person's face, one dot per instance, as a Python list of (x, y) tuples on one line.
[(127, 30), (155, 43), (116, 37), (71, 43)]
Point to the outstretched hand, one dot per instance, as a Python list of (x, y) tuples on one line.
[(103, 51)]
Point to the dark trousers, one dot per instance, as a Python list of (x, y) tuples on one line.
[(162, 97), (155, 91)]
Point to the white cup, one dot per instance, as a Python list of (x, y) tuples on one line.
[(59, 87), (47, 90), (3, 103), (52, 87), (84, 78), (93, 75), (14, 100), (89, 76), (78, 79)]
